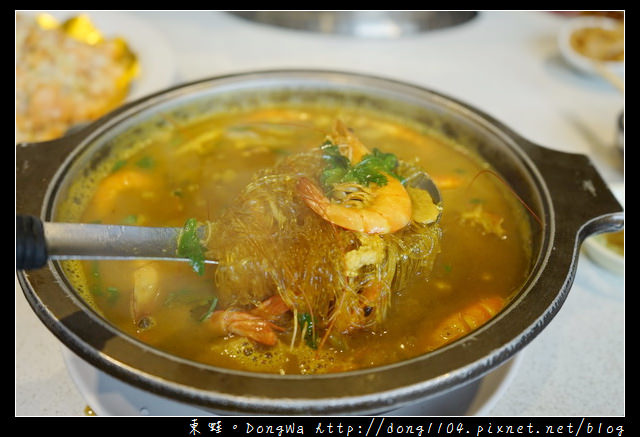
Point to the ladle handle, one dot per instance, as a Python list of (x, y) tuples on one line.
[(31, 246), (38, 241)]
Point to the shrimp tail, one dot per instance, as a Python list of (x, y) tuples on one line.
[(315, 199), (313, 196), (271, 308)]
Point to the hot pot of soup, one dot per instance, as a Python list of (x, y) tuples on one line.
[(340, 287)]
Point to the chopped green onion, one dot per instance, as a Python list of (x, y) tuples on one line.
[(146, 162), (306, 321), (175, 296), (113, 294), (212, 307), (96, 288), (118, 165), (131, 219)]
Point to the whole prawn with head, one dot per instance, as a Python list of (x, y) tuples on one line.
[(378, 208)]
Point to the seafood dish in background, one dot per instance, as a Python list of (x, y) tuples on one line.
[(600, 43), (594, 45), (67, 73)]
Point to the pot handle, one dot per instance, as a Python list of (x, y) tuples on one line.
[(36, 164), (582, 200), (31, 247)]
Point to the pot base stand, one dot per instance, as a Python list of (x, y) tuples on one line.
[(108, 396)]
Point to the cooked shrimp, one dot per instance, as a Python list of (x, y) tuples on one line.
[(448, 182), (243, 324), (113, 185), (108, 199), (270, 308), (348, 143), (146, 289), (255, 324), (373, 210), (346, 319), (466, 320), (386, 209)]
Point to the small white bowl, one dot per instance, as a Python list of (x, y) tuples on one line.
[(598, 250), (580, 61)]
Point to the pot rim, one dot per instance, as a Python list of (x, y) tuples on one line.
[(374, 389)]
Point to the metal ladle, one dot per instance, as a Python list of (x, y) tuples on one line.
[(38, 241)]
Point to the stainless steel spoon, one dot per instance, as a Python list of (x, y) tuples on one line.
[(38, 241)]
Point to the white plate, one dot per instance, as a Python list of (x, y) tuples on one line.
[(108, 396), (157, 64), (596, 247), (579, 61)]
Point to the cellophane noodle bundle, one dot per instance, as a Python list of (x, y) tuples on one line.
[(270, 242)]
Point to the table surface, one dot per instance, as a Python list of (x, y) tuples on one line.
[(504, 63)]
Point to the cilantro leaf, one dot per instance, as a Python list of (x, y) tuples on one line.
[(189, 246), (371, 169)]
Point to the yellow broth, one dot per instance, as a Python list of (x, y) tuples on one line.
[(197, 168)]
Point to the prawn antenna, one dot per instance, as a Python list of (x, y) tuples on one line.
[(497, 176)]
